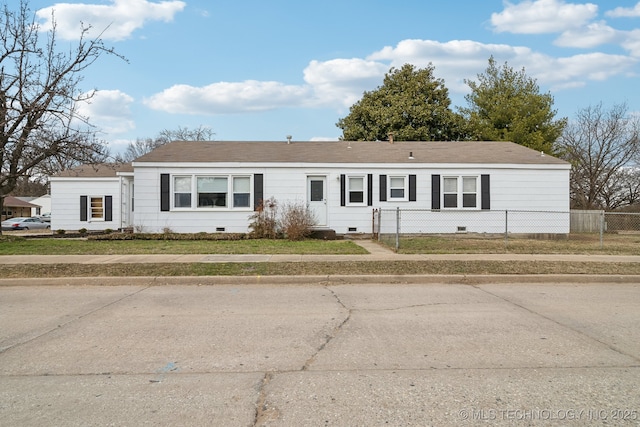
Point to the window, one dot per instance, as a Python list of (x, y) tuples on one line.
[(182, 191), (469, 192), (450, 192), (97, 208), (460, 192), (212, 191), (397, 187), (241, 191), (356, 189), (209, 192)]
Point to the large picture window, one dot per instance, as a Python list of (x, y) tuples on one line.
[(212, 191)]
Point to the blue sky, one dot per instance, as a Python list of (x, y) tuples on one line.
[(262, 70)]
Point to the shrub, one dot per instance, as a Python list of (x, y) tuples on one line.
[(60, 231), (296, 221), (82, 231), (264, 221), (108, 231)]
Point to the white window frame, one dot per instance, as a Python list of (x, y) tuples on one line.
[(460, 193), (173, 192), (91, 209), (233, 191), (405, 188), (194, 194), (349, 190)]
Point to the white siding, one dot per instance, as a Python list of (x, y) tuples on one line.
[(513, 188), (65, 202)]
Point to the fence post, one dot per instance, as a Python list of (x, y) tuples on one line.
[(601, 229), (506, 228), (397, 228)]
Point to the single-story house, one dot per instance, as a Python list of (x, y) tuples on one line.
[(42, 204), (14, 207), (95, 197), (216, 186)]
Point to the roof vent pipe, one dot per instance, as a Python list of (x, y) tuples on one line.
[(289, 139), (390, 137)]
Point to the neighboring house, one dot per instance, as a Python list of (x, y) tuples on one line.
[(95, 197), (14, 207), (43, 204), (216, 186)]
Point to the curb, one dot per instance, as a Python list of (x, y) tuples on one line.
[(322, 280)]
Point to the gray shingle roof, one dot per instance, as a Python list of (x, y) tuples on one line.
[(346, 152), (103, 170)]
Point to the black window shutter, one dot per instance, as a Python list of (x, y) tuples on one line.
[(370, 189), (383, 188), (258, 190), (435, 191), (83, 208), (164, 192), (343, 190), (485, 191), (412, 188), (108, 208)]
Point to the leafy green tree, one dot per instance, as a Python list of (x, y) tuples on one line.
[(412, 104), (505, 105)]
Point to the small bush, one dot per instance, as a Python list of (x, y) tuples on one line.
[(264, 222), (108, 231), (296, 221), (60, 231), (82, 231)]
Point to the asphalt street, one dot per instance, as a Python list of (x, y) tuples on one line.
[(321, 354)]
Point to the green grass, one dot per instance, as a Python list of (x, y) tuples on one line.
[(22, 246)]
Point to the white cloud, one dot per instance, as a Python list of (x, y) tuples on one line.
[(226, 98), (118, 20), (458, 60), (590, 36), (342, 81), (109, 111), (632, 43), (625, 12), (339, 83), (542, 16)]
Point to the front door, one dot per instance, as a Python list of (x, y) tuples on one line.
[(317, 198)]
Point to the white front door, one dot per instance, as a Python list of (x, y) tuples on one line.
[(317, 198)]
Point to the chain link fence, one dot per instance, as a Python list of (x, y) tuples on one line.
[(391, 226)]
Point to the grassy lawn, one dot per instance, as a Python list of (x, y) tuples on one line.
[(22, 246), (372, 268), (613, 244)]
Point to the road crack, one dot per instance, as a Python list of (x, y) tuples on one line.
[(329, 337)]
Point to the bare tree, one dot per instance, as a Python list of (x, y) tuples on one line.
[(599, 143), (39, 96), (201, 133), (143, 146)]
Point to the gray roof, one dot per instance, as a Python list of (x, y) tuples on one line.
[(102, 170), (346, 152)]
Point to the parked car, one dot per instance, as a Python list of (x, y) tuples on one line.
[(25, 223), (46, 217)]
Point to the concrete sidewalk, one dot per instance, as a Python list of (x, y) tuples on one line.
[(376, 251)]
